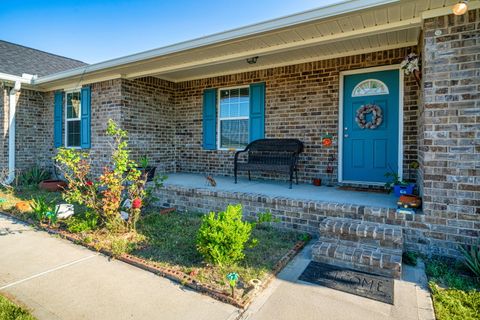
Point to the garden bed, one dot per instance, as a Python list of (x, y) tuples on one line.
[(455, 292), (165, 244)]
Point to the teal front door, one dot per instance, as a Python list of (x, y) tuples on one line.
[(370, 126)]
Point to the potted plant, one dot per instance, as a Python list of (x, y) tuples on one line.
[(146, 169), (400, 187)]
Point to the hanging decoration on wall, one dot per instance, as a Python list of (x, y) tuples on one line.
[(411, 65), (327, 140), (377, 116)]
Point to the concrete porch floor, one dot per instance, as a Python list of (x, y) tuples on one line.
[(272, 188)]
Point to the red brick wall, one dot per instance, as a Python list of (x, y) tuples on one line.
[(301, 102)]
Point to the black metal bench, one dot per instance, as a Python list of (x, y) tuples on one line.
[(270, 155)]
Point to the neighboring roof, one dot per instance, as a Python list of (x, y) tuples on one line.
[(16, 59), (344, 29)]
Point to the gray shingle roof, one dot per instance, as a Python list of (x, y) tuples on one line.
[(16, 59)]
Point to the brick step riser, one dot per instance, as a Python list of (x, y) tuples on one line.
[(392, 244)]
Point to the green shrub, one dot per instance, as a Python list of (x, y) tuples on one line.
[(222, 237), (455, 304)]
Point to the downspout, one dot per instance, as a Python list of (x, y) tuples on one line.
[(11, 131)]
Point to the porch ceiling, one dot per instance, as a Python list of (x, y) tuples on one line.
[(313, 35)]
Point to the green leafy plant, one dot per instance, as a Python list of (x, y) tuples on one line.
[(144, 162), (265, 218), (472, 259), (83, 222), (410, 258), (33, 176), (105, 194), (394, 180), (44, 211), (222, 236)]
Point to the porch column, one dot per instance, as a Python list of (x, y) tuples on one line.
[(449, 131)]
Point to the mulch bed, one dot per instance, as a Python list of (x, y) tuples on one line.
[(175, 275)]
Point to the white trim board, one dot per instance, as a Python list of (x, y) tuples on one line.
[(340, 119)]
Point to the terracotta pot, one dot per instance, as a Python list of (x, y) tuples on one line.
[(52, 185), (317, 182)]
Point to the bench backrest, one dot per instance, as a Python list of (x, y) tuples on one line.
[(274, 151), (276, 145)]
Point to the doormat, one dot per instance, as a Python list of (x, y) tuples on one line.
[(363, 189), (356, 282)]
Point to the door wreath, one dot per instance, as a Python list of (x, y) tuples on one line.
[(377, 116)]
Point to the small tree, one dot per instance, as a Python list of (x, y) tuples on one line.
[(105, 195), (222, 237)]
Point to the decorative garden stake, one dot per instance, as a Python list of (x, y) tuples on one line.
[(232, 280)]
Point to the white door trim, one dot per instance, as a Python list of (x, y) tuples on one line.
[(340, 120)]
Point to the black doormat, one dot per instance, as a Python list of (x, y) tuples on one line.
[(356, 282), (364, 189)]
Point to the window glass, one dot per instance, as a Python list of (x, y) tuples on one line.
[(234, 133), (72, 119), (370, 87), (234, 110)]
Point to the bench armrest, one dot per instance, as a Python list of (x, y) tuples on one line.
[(238, 153)]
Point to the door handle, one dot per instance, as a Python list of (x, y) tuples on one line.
[(345, 135)]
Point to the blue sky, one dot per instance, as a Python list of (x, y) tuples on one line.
[(94, 31)]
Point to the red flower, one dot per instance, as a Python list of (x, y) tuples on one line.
[(137, 203), (89, 183)]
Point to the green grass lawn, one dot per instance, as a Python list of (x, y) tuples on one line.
[(170, 241), (11, 311), (456, 295)]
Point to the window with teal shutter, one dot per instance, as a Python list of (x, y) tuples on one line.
[(257, 111), (85, 117), (210, 119), (58, 119)]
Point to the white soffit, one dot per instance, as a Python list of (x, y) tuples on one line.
[(351, 27)]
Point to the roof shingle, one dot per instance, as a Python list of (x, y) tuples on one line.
[(16, 59)]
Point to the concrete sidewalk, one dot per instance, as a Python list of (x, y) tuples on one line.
[(59, 280), (289, 298)]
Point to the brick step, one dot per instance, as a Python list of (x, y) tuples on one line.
[(358, 256), (369, 233)]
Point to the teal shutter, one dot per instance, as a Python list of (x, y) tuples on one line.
[(257, 111), (85, 118), (58, 119), (210, 119)]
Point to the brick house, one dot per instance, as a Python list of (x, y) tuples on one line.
[(188, 105)]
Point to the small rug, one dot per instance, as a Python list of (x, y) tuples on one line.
[(363, 189), (356, 282)]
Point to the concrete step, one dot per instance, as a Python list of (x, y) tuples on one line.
[(358, 256), (370, 233)]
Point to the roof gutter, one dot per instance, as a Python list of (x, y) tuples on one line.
[(283, 22)]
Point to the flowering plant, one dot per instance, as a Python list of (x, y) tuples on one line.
[(119, 181), (410, 63)]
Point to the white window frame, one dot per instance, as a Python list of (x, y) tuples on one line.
[(66, 120), (230, 118), (370, 94)]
